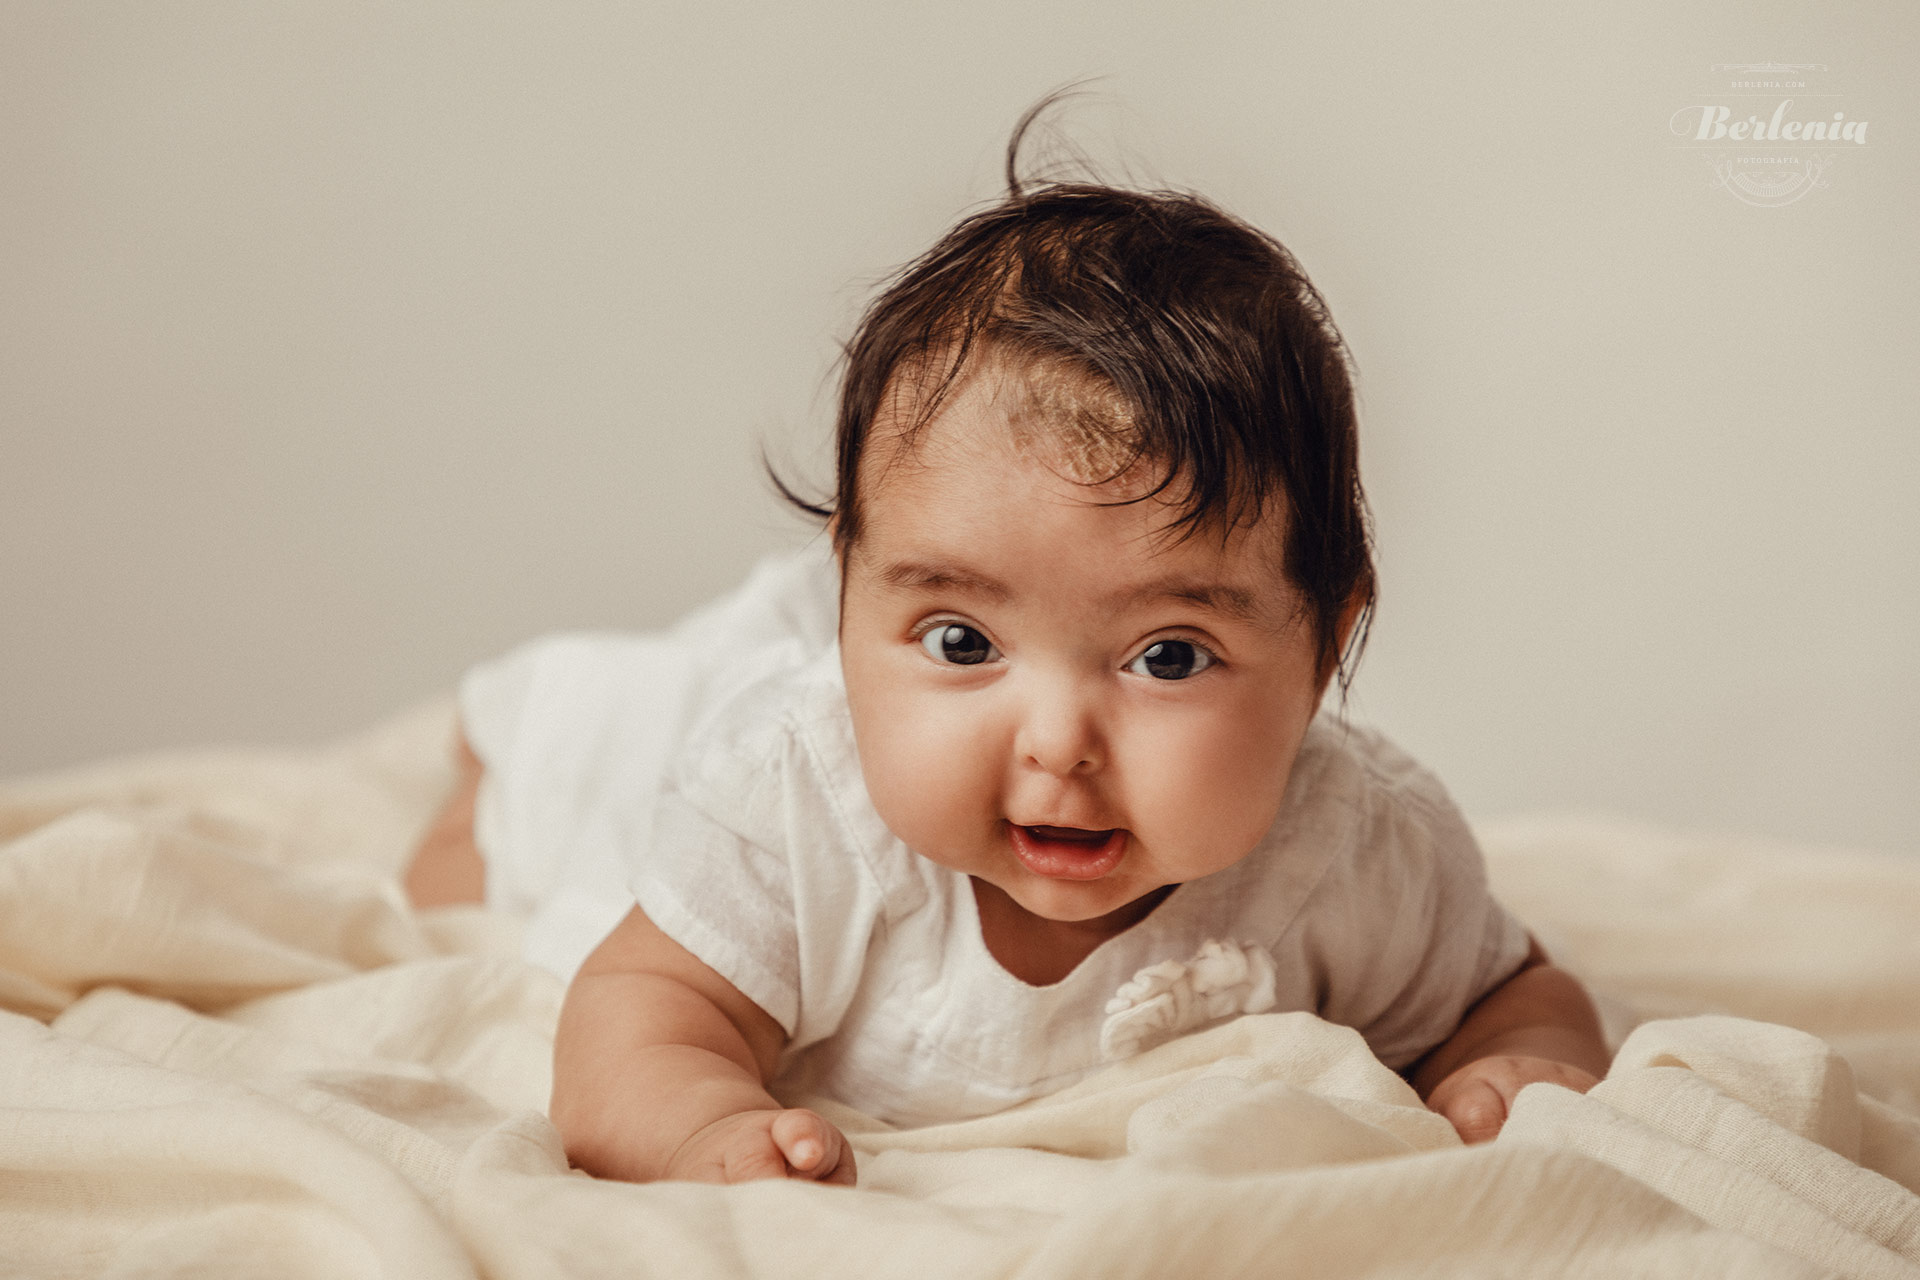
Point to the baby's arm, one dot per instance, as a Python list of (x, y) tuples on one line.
[(659, 1069), (1538, 1025)]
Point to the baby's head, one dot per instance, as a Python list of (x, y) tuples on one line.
[(1102, 539)]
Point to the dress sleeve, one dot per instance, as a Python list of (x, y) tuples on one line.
[(728, 900), (1407, 934), (751, 866)]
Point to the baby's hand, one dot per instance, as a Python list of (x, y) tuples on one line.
[(1477, 1096), (794, 1143)]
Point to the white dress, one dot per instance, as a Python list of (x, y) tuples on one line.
[(710, 773)]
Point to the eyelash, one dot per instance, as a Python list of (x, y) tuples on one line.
[(1214, 660), (931, 625)]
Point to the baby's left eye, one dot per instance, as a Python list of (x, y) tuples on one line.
[(1172, 660), (957, 644)]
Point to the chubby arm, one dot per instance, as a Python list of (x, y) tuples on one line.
[(1538, 1025), (659, 1071)]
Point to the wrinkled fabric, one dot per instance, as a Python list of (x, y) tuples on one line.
[(230, 1048)]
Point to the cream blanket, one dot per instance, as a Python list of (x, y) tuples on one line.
[(230, 1048)]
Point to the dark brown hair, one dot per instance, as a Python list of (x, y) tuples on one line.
[(1233, 379)]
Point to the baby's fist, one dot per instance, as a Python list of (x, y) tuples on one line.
[(748, 1145), (1477, 1097)]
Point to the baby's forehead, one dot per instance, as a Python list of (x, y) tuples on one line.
[(1081, 426), (914, 497), (1066, 421), (1045, 411)]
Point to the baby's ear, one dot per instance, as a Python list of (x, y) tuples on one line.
[(1350, 615), (833, 543)]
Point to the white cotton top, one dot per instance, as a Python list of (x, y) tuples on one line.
[(710, 773)]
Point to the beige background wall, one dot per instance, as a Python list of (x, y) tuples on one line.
[(343, 344)]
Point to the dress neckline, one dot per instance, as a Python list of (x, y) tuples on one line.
[(974, 926)]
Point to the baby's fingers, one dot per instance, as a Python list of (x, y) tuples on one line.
[(1476, 1109), (814, 1148)]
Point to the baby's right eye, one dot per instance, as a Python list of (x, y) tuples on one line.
[(956, 643)]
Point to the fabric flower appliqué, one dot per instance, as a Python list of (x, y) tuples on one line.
[(1164, 1000)]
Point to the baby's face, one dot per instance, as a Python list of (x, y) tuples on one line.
[(1020, 662)]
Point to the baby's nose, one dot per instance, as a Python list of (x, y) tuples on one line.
[(1061, 736)]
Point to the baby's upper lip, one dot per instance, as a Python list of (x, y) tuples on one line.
[(1065, 830)]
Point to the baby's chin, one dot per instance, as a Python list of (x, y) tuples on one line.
[(1107, 907)]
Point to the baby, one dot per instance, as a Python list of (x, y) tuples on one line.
[(932, 824)]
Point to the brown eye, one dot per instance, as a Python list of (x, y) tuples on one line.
[(957, 644), (1172, 660)]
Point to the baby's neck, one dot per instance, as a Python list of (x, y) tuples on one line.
[(1039, 951)]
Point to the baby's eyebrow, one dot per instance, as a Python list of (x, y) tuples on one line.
[(1228, 601), (912, 575), (1231, 602)]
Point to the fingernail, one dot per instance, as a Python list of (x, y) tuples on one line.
[(806, 1152)]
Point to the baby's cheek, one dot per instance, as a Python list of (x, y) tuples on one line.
[(1207, 791), (925, 772)]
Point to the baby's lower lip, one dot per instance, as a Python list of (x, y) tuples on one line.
[(1061, 859)]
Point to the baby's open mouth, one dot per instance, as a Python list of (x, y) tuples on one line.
[(1071, 833), (1068, 853)]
